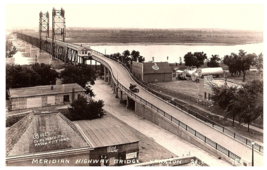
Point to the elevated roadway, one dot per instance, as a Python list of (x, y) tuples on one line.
[(236, 147)]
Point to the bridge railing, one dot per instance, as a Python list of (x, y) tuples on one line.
[(175, 121)]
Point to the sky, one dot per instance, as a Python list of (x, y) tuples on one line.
[(224, 16)]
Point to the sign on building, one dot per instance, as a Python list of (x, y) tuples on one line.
[(131, 155)]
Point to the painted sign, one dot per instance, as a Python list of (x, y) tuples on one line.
[(155, 67), (112, 149), (131, 155), (41, 139)]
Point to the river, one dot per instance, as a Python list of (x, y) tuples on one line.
[(160, 52)]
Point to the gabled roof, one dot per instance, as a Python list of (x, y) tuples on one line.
[(84, 48), (42, 132), (161, 67), (106, 131), (44, 90)]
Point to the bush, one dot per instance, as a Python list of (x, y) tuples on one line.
[(83, 110)]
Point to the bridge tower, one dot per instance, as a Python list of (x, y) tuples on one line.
[(43, 26), (58, 27)]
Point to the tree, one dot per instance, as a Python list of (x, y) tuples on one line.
[(81, 74), (135, 55), (196, 59), (46, 73), (10, 49), (25, 76), (83, 110), (141, 59), (258, 61), (223, 96), (245, 102), (240, 62), (125, 56), (214, 61)]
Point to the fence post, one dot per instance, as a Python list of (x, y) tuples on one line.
[(185, 127), (246, 141), (205, 139), (171, 118), (234, 134), (228, 153), (216, 146), (223, 128), (195, 133), (164, 113)]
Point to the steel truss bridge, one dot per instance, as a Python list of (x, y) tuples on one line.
[(66, 52)]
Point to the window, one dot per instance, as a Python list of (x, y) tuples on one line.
[(79, 96), (205, 95), (66, 98), (209, 96)]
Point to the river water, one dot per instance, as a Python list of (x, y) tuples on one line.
[(160, 52)]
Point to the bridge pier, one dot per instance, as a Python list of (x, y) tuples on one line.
[(130, 103), (108, 77), (116, 91), (121, 93), (104, 74)]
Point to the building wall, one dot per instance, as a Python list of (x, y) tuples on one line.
[(152, 78), (114, 155), (21, 103), (137, 70), (150, 115), (204, 91)]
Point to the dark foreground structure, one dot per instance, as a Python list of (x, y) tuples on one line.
[(50, 139)]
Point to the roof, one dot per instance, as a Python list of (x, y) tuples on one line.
[(27, 135), (84, 48), (44, 90), (106, 131), (156, 67), (221, 83)]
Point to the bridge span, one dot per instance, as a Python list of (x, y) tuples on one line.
[(158, 111)]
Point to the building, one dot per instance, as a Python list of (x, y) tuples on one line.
[(45, 139), (152, 72), (111, 140), (84, 51), (41, 96), (50, 139), (204, 87)]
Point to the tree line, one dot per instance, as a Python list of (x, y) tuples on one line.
[(237, 63), (127, 57), (244, 102)]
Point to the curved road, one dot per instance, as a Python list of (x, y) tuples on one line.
[(225, 141)]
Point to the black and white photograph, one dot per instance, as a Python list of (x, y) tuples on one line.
[(133, 84)]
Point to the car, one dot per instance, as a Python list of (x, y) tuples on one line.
[(133, 88)]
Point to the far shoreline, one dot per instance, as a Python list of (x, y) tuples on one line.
[(152, 44)]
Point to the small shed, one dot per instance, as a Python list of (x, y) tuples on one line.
[(41, 96), (112, 141)]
